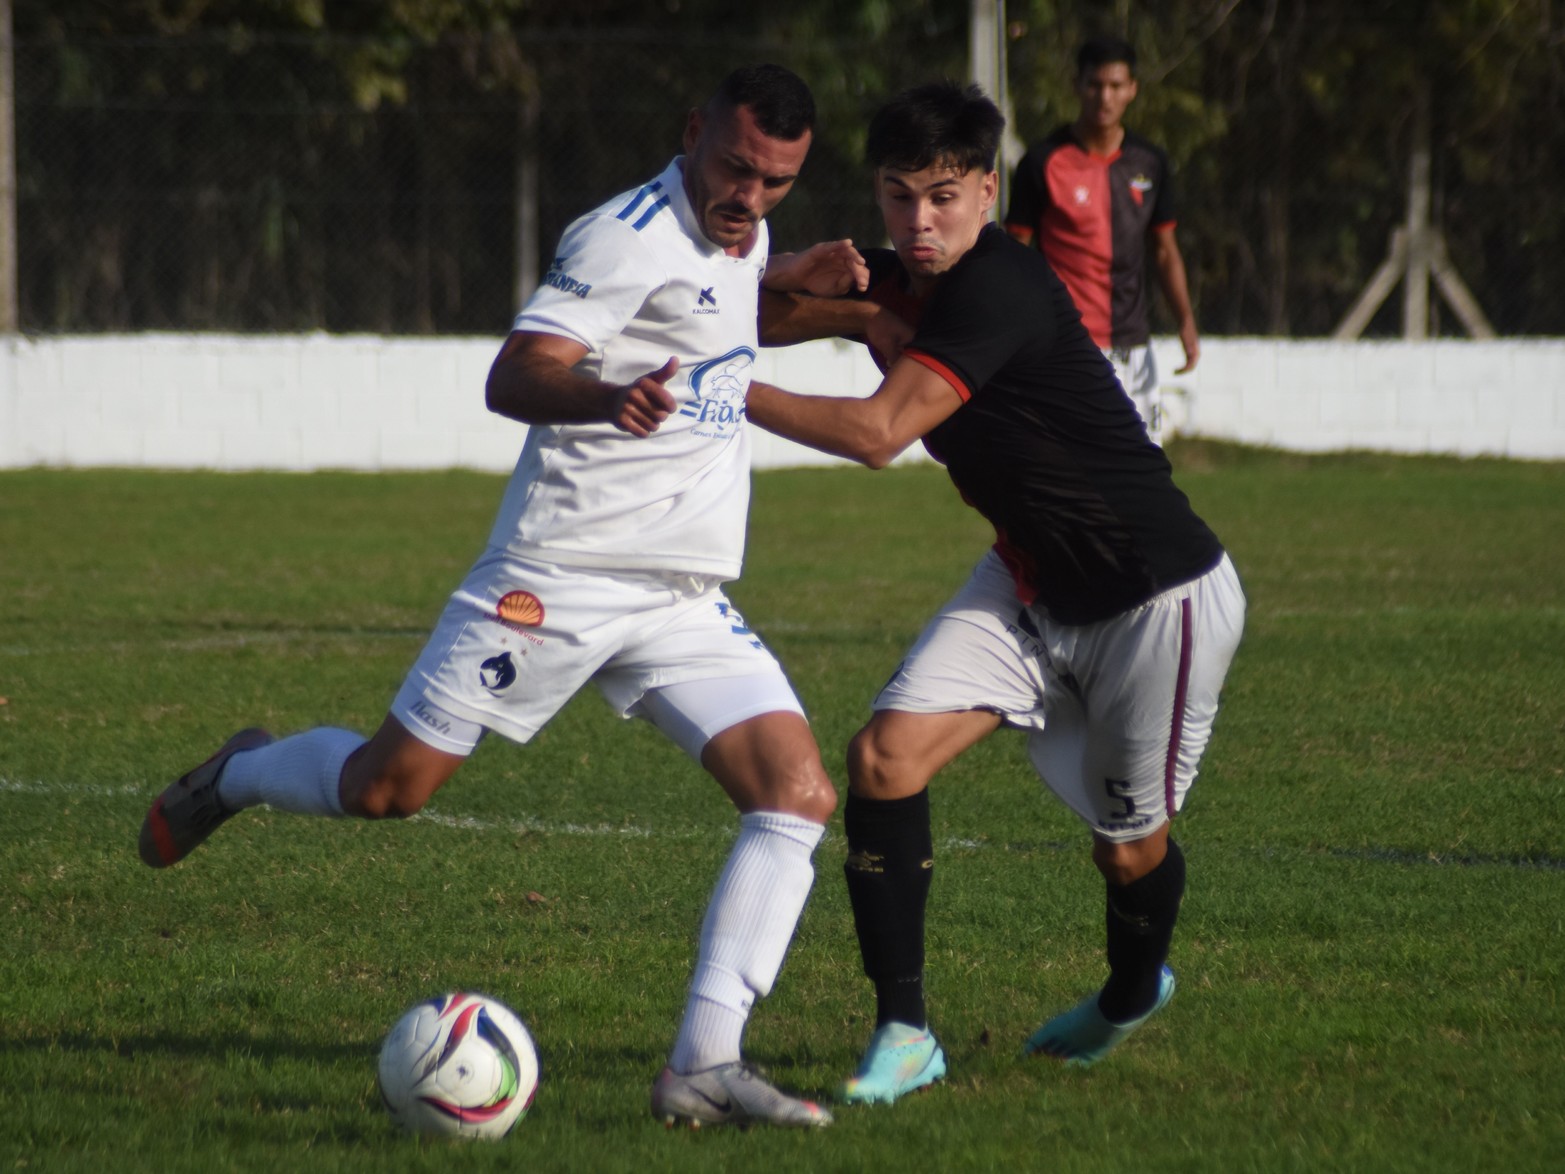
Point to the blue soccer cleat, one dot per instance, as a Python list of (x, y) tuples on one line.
[(1082, 1036), (900, 1058)]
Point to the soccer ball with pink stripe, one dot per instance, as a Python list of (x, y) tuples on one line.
[(461, 1065)]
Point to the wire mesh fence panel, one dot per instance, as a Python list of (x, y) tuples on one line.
[(235, 178)]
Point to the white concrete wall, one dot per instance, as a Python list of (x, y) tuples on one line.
[(359, 402), (1502, 398)]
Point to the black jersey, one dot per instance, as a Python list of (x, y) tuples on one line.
[(1046, 445)]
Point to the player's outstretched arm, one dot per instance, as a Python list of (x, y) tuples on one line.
[(789, 318), (532, 381), (1170, 263), (910, 401)]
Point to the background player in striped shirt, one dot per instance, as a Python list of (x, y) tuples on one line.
[(1094, 197)]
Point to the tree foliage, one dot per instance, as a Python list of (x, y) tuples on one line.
[(1292, 123), (355, 165)]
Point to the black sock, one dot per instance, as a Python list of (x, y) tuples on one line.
[(1141, 918), (889, 867)]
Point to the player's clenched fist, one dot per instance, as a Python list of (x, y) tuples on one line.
[(639, 407)]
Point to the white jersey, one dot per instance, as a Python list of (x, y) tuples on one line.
[(636, 281)]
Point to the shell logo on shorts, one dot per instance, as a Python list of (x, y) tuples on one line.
[(519, 609)]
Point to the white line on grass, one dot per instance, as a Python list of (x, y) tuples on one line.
[(548, 828), (543, 827), (24, 787), (226, 642), (428, 815)]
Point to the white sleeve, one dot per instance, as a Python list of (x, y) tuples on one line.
[(596, 283)]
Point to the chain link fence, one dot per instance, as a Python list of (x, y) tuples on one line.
[(285, 182)]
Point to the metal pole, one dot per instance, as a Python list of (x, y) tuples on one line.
[(1415, 285), (527, 167), (9, 314), (986, 49)]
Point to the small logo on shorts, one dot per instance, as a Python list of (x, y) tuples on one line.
[(430, 718), (497, 673), (519, 611)]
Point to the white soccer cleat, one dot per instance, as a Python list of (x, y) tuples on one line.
[(729, 1094)]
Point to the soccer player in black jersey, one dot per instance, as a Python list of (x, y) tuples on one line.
[(1102, 622)]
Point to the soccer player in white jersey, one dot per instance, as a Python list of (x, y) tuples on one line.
[(625, 515)]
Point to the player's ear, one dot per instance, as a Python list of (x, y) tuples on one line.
[(991, 190), (693, 126)]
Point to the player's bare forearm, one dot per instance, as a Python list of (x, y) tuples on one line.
[(909, 402), (841, 427), (1170, 265), (787, 318), (532, 381)]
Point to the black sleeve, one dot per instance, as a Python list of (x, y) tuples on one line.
[(882, 265), (1163, 203), (1028, 199)]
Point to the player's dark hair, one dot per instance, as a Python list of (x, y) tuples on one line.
[(940, 122), (1099, 51), (782, 104)]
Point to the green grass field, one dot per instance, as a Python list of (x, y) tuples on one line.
[(1370, 957)]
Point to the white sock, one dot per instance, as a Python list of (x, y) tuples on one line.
[(299, 774), (749, 924)]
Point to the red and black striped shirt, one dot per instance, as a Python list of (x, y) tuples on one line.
[(1090, 215)]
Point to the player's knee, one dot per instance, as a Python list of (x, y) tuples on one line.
[(875, 770), (808, 793), (1126, 862)]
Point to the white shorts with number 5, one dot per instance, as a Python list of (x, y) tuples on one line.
[(1119, 712)]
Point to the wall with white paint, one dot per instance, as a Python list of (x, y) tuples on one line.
[(176, 401)]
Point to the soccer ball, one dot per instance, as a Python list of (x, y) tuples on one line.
[(461, 1065)]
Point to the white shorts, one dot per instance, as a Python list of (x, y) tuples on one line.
[(518, 639), (1119, 712), (1137, 373)]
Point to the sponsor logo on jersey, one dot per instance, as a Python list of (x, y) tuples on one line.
[(1082, 195), (718, 389), (520, 611), (497, 673), (707, 302), (1139, 187), (563, 281)]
